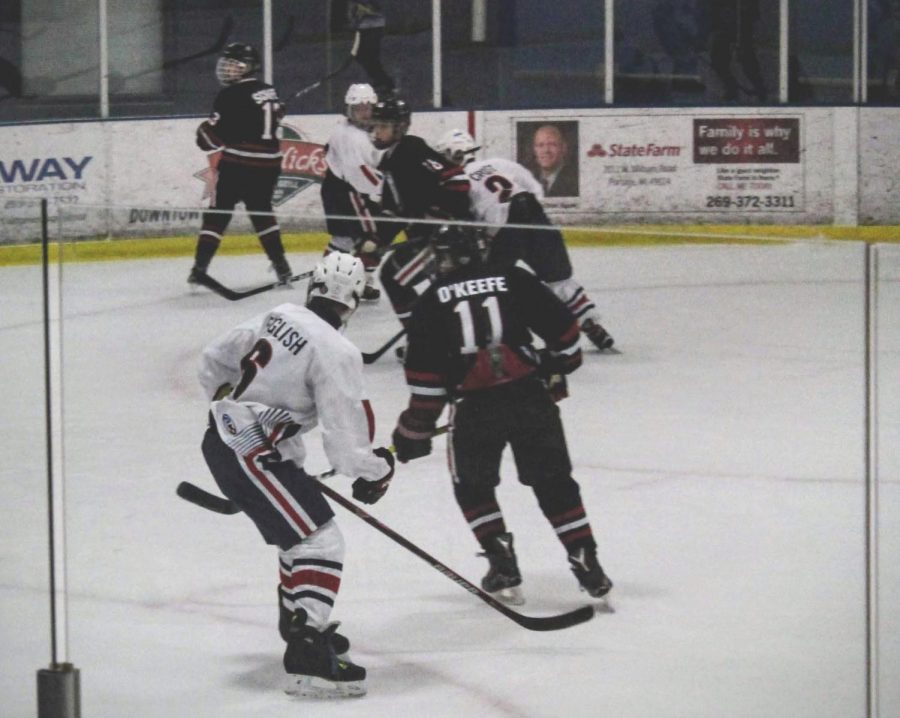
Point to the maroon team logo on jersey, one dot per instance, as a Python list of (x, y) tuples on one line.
[(302, 164)]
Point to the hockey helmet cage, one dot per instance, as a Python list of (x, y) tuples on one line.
[(237, 62), (458, 146), (394, 112), (455, 247), (339, 277)]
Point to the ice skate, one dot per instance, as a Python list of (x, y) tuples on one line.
[(503, 579), (589, 573), (283, 271), (194, 278), (597, 335), (339, 642), (314, 670)]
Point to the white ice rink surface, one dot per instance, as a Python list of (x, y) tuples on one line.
[(721, 458)]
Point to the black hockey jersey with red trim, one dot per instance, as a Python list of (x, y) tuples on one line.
[(419, 182), (472, 331), (244, 124)]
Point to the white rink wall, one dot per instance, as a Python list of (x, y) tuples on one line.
[(743, 166)]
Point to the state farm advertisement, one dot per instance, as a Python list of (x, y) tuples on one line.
[(693, 163)]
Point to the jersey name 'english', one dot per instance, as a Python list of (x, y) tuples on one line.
[(470, 287), (286, 334)]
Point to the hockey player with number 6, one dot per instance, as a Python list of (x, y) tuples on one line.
[(503, 192), (271, 380)]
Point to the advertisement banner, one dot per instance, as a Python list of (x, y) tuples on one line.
[(674, 165)]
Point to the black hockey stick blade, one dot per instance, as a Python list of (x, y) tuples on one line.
[(205, 499), (372, 357), (234, 295)]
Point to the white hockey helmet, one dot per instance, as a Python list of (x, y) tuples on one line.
[(339, 277), (458, 146), (360, 94)]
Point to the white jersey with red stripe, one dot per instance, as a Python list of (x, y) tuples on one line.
[(352, 157), (492, 183), (294, 371)]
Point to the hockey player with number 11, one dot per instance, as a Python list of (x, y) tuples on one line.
[(507, 197), (470, 345), (272, 379)]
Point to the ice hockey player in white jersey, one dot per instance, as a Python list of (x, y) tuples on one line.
[(352, 185), (503, 192), (271, 380)]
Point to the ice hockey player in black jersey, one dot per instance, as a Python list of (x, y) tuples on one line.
[(470, 344), (243, 126), (507, 197), (419, 183)]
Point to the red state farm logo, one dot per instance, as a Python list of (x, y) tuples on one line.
[(302, 164), (597, 151)]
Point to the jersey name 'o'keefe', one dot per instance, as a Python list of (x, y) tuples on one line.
[(471, 287)]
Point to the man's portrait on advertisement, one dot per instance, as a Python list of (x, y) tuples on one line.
[(550, 151)]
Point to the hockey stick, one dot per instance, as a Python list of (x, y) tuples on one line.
[(532, 623), (372, 357), (234, 295), (331, 75), (221, 505)]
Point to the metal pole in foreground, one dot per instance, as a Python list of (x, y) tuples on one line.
[(59, 691), (58, 688)]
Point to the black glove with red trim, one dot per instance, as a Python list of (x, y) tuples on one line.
[(369, 491)]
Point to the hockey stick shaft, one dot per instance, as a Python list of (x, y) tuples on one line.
[(372, 357), (234, 295), (334, 73), (221, 505), (533, 623)]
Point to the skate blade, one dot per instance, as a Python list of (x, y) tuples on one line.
[(604, 606), (316, 687), (511, 596)]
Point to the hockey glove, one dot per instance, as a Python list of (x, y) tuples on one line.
[(371, 491), (552, 370), (408, 448)]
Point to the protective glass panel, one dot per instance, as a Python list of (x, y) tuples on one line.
[(49, 60), (820, 63), (886, 395), (722, 470), (24, 565), (162, 56), (682, 52), (506, 54), (884, 51)]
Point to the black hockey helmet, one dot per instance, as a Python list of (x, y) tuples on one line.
[(238, 61), (392, 112), (455, 247)]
